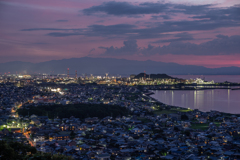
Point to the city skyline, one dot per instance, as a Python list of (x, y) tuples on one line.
[(203, 33)]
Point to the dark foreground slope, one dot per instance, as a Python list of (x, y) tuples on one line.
[(18, 151)]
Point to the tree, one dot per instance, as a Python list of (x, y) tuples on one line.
[(6, 152), (187, 133), (15, 150), (72, 135), (176, 129), (48, 156), (184, 117), (77, 110)]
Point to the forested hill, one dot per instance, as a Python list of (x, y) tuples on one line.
[(154, 76), (81, 111)]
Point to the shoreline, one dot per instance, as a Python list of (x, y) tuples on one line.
[(175, 89), (148, 94), (192, 88)]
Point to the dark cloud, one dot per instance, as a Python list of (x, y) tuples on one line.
[(170, 26), (67, 32), (130, 47), (222, 36), (100, 21), (223, 14), (124, 31), (93, 49), (62, 20), (41, 29), (50, 29), (192, 9), (228, 45), (156, 30), (61, 34), (125, 8), (180, 37), (184, 35), (118, 29), (40, 43), (153, 30), (205, 18), (92, 30), (222, 45), (161, 16)]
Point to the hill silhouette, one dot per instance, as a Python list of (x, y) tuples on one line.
[(112, 66), (154, 76)]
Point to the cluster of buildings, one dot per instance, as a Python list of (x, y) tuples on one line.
[(143, 134), (21, 80), (160, 137)]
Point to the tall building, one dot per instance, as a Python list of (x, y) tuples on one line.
[(76, 74), (106, 76), (68, 73)]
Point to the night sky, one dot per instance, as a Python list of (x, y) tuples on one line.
[(196, 32)]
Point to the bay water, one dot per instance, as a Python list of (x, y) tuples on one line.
[(223, 100)]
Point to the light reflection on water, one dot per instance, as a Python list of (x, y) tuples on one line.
[(216, 78), (223, 100)]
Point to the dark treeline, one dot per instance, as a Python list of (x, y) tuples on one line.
[(77, 110), (18, 151)]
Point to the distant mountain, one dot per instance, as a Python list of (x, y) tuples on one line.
[(112, 66), (153, 76)]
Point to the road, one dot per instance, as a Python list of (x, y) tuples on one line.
[(25, 133), (29, 139)]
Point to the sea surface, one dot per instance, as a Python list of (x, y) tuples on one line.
[(223, 100), (216, 78)]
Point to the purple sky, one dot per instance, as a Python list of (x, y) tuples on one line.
[(206, 32)]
